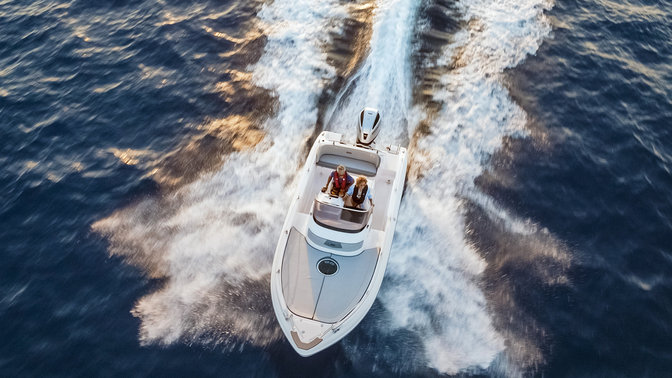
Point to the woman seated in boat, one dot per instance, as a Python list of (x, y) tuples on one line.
[(341, 182), (358, 193)]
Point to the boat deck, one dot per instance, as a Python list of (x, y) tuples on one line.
[(313, 295)]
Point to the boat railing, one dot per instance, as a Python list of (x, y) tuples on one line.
[(340, 218)]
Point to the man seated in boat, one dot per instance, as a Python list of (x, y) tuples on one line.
[(358, 193), (341, 182)]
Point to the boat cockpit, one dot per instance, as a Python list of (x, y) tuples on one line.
[(329, 211)]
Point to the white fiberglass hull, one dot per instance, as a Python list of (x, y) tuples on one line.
[(330, 261)]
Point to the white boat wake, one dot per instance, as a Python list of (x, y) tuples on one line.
[(435, 264), (211, 240)]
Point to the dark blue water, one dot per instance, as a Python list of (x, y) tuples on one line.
[(601, 89), (106, 105)]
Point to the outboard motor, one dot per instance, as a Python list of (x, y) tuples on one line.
[(369, 126)]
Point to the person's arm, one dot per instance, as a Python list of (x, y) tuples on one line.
[(326, 186), (347, 199), (349, 181), (349, 192)]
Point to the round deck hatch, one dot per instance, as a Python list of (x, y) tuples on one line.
[(327, 266)]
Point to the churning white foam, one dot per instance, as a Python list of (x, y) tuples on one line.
[(432, 285), (384, 79), (212, 240)]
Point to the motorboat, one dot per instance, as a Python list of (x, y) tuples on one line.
[(330, 259)]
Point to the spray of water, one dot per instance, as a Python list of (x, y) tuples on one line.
[(211, 241), (434, 263), (383, 81)]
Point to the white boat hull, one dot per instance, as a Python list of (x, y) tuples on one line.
[(315, 310)]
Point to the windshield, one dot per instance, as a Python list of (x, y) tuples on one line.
[(339, 218)]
